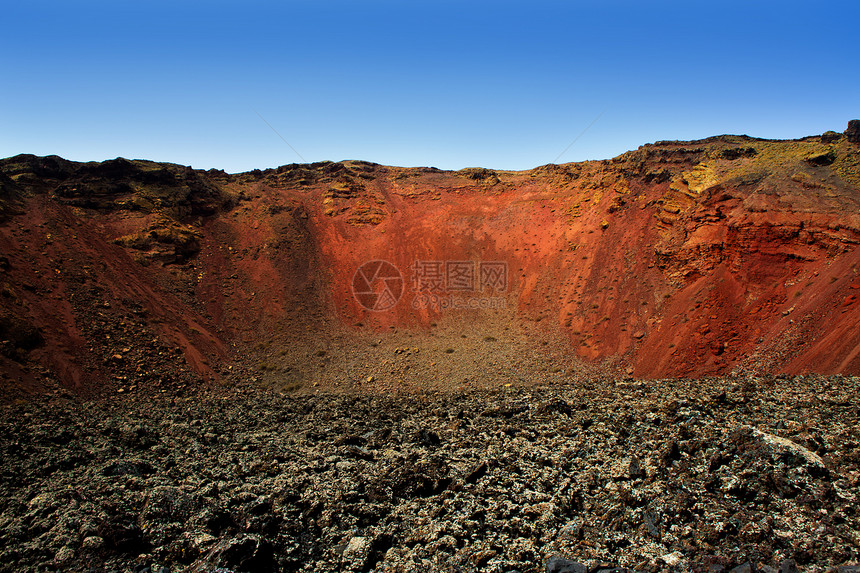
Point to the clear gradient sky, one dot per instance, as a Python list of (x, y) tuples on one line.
[(450, 84)]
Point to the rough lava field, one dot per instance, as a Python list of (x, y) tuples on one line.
[(647, 363)]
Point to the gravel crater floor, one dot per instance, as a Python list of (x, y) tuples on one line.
[(652, 476)]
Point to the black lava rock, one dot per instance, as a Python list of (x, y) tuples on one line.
[(560, 565)]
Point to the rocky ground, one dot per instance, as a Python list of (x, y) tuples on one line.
[(760, 473)]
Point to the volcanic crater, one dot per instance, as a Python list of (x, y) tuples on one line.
[(350, 366)]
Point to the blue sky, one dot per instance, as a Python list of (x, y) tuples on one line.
[(506, 85)]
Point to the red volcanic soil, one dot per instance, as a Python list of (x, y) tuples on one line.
[(678, 259)]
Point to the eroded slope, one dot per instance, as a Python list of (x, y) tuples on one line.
[(677, 259)]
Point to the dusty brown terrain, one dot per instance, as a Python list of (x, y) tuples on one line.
[(653, 476)]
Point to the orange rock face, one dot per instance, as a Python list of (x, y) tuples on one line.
[(679, 259)]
